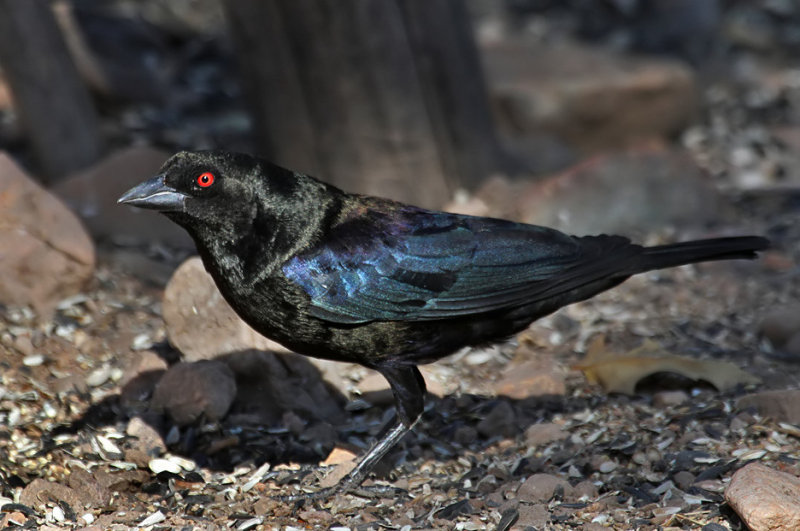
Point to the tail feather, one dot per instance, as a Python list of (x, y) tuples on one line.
[(676, 254)]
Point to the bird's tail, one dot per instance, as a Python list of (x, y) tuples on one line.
[(676, 254)]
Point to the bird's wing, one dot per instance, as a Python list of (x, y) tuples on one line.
[(420, 265)]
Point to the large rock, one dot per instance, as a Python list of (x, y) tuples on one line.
[(640, 190), (93, 194), (45, 253), (634, 192), (766, 499), (591, 98), (779, 405)]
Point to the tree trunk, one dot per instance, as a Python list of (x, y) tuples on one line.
[(54, 106), (364, 94)]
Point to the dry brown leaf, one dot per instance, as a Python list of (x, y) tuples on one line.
[(619, 373), (338, 456)]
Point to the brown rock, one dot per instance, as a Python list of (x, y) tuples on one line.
[(148, 439), (93, 194), (532, 377), (189, 390), (540, 488), (664, 399), (45, 253), (200, 323), (546, 432), (40, 492), (766, 499), (591, 98), (141, 375), (780, 325), (272, 384), (501, 420), (534, 516), (782, 406), (633, 192), (90, 491)]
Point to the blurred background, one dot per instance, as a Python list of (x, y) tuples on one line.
[(423, 102)]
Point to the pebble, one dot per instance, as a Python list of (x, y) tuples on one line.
[(683, 479), (501, 420), (58, 513), (153, 519), (665, 399), (188, 391), (98, 376), (34, 360), (607, 466), (780, 325), (542, 487), (159, 465), (148, 438), (544, 433)]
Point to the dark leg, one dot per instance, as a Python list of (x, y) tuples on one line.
[(408, 388)]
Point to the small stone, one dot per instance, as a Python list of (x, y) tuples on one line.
[(607, 467), (98, 376), (33, 360), (159, 465), (465, 435), (766, 499), (544, 433), (531, 377), (683, 479), (40, 492), (188, 391), (148, 439), (780, 325), (540, 488), (664, 399), (534, 516), (501, 420), (586, 489)]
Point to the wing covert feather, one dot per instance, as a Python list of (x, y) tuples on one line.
[(421, 265)]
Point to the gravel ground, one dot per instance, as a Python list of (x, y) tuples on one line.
[(476, 461)]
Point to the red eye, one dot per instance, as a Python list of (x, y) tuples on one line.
[(204, 180)]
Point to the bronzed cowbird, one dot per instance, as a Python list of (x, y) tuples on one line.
[(380, 283)]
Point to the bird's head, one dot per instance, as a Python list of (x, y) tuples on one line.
[(222, 197), (199, 188)]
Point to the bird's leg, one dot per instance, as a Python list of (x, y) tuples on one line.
[(408, 388)]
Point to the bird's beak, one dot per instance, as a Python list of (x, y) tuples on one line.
[(154, 194)]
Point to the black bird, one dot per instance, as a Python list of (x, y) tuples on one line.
[(380, 283)]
